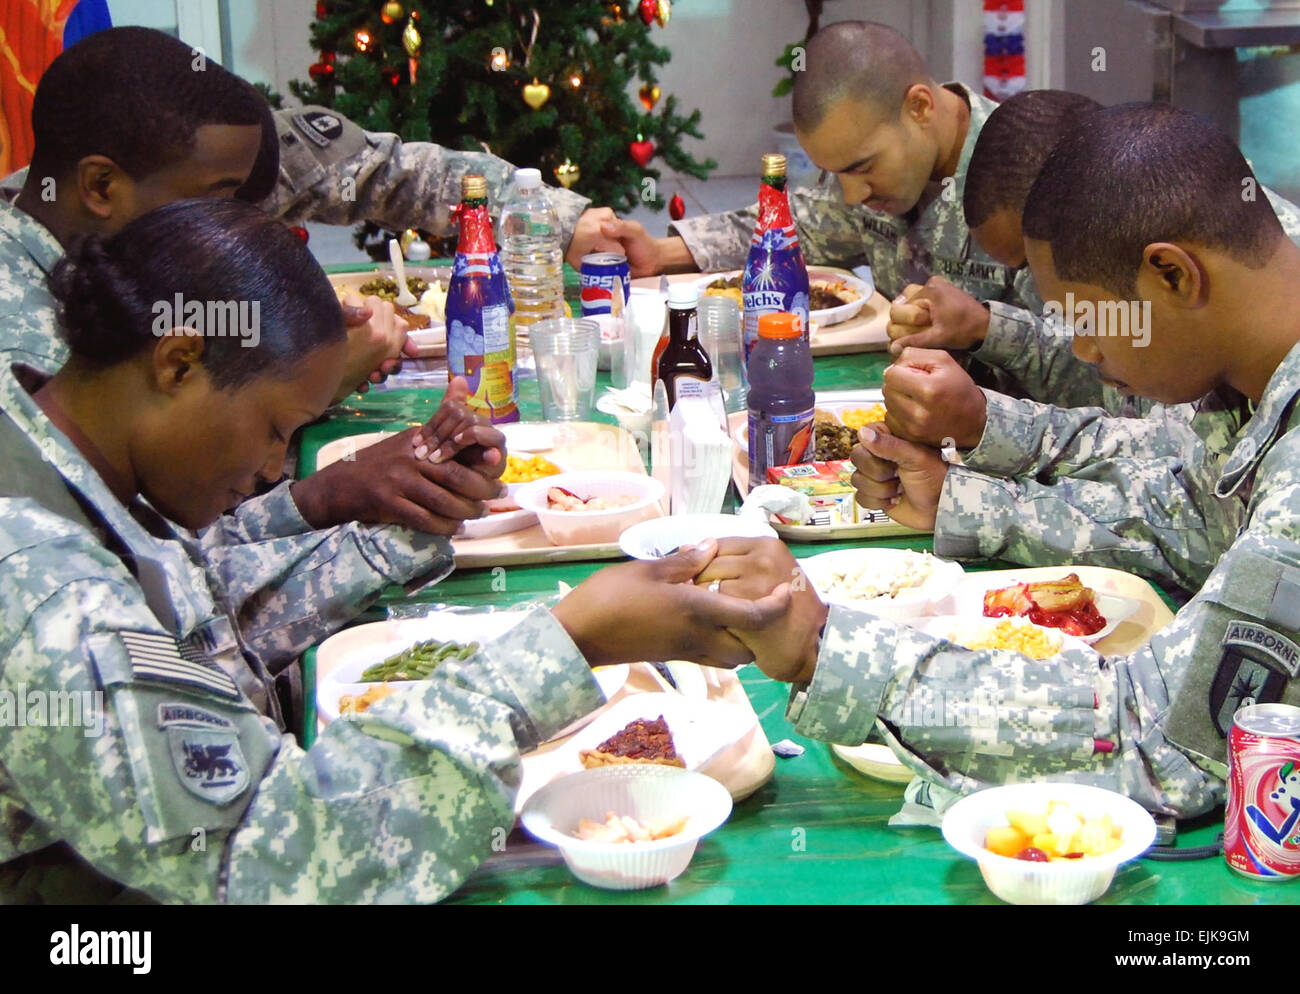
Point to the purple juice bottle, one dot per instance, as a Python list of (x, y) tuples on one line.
[(781, 398), (775, 278)]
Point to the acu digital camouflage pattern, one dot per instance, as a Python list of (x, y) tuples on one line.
[(335, 172), (399, 805), (931, 240), (1165, 708)]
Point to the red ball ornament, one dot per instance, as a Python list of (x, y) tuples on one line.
[(301, 233), (641, 152), (648, 9), (321, 71), (321, 10), (677, 207)]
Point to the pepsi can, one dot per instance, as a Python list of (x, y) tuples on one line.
[(596, 279)]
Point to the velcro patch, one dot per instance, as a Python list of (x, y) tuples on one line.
[(164, 659), (319, 127), (1255, 666)]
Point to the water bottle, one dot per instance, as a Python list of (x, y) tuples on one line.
[(529, 236), (781, 398)]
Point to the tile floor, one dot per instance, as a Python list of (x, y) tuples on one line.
[(332, 244)]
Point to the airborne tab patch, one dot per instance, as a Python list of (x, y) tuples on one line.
[(1255, 668)]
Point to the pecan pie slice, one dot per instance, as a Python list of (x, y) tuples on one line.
[(641, 741)]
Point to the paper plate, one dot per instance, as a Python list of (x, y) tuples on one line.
[(968, 600), (875, 761)]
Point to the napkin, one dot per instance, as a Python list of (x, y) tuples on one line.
[(700, 452), (767, 500)]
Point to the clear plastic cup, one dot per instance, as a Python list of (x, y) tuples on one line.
[(565, 351), (720, 334)]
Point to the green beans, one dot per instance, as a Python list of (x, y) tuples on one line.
[(418, 662)]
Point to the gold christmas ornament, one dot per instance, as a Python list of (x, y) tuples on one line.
[(536, 94), (649, 96), (407, 236), (567, 173), (362, 40), (663, 12), (411, 40), (392, 13)]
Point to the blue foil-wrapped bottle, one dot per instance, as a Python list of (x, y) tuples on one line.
[(480, 344), (775, 278)]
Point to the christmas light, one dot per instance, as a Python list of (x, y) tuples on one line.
[(362, 39), (500, 60), (575, 80)]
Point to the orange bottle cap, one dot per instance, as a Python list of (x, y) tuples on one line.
[(781, 325)]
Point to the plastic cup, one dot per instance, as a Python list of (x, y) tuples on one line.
[(565, 351), (720, 334)]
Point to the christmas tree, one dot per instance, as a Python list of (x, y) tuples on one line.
[(544, 84)]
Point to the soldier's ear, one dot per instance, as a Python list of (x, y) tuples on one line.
[(103, 186)]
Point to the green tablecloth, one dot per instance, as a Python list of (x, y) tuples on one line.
[(817, 832)]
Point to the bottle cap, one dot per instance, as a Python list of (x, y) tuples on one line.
[(473, 187), (773, 164), (781, 325), (683, 296), (528, 179)]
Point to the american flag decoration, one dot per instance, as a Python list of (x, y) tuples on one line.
[(1004, 48)]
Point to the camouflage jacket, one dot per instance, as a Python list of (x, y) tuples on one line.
[(930, 240), (1152, 724), (334, 172), (251, 551), (175, 780)]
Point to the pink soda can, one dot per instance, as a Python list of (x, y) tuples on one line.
[(1261, 831)]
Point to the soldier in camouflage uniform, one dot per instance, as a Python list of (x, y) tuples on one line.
[(190, 791), (1152, 724)]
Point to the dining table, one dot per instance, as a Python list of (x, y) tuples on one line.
[(817, 832)]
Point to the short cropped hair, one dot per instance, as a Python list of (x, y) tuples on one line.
[(871, 63), (137, 96), (1141, 173), (1012, 147)]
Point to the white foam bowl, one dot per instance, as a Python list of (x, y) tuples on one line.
[(652, 539), (928, 598), (592, 527), (641, 792), (1018, 881)]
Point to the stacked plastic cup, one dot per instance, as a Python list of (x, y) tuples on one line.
[(565, 351), (720, 334)]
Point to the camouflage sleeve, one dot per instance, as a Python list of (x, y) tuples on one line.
[(964, 720), (1158, 518), (333, 171), (1021, 343), (831, 232), (270, 515), (291, 591), (403, 803), (1025, 438), (398, 806)]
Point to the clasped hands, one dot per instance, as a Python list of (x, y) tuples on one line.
[(721, 603)]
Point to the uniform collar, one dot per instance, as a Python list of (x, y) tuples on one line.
[(182, 575), (980, 109), (1259, 433), (38, 241)]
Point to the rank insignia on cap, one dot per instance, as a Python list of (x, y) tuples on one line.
[(1255, 668), (164, 659), (320, 127)]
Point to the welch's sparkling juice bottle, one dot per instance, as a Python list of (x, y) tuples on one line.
[(480, 343), (775, 280)]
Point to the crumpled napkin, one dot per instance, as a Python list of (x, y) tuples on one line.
[(765, 501)]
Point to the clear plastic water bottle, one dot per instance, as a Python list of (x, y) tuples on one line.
[(529, 238)]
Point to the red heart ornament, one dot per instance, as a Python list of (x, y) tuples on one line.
[(641, 152), (647, 10)]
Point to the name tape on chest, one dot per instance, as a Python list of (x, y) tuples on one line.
[(164, 659)]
